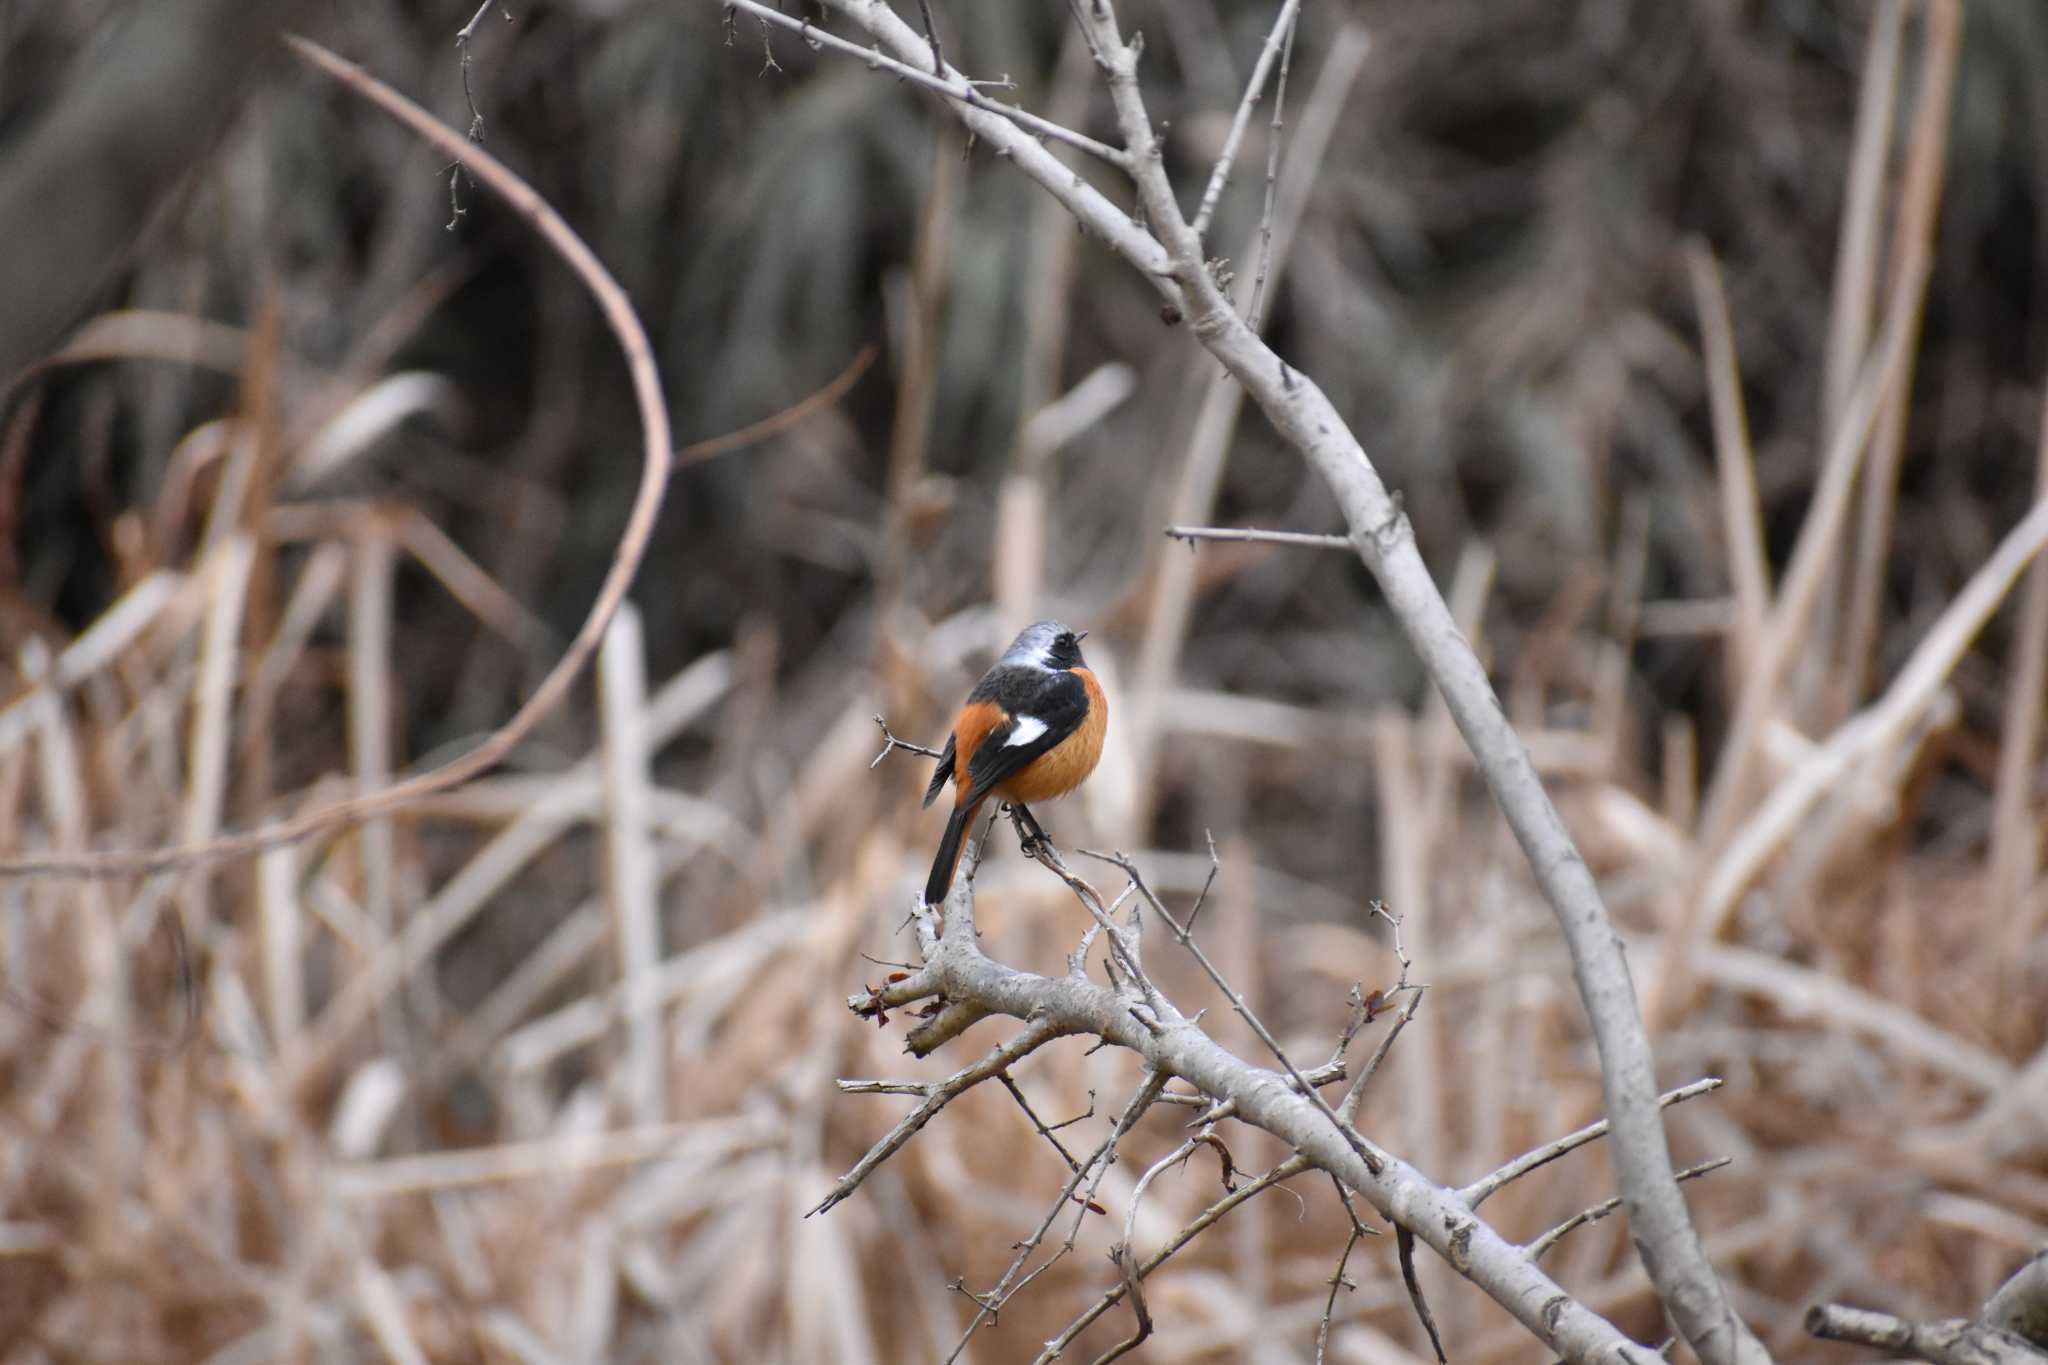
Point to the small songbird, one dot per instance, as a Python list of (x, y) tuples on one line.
[(1030, 730)]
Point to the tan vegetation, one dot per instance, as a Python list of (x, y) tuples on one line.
[(1702, 343)]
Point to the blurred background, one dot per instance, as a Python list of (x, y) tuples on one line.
[(315, 457)]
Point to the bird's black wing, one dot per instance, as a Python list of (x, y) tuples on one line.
[(943, 775), (1057, 701)]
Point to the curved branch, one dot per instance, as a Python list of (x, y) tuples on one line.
[(656, 457)]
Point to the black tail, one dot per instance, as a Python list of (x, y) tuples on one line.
[(941, 880)]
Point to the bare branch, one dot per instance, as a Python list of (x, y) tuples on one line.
[(1175, 1046), (2021, 1304), (1404, 1247), (1095, 211), (1542, 1245), (1366, 1151), (1484, 1188), (931, 31), (1039, 1124), (1103, 1156), (1192, 534), (1255, 312), (937, 1097), (890, 744), (1283, 31), (1201, 1223), (1349, 1105), (960, 89), (1359, 1232), (1955, 1341)]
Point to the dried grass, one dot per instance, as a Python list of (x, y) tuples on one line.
[(542, 1069)]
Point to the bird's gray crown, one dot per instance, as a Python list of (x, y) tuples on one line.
[(1045, 644)]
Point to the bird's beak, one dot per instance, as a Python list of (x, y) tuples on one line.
[(1079, 636)]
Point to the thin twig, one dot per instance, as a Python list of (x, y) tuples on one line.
[(962, 90), (1537, 1249), (931, 31), (1252, 315), (1191, 534), (1404, 1250), (937, 1097), (990, 1303), (713, 446), (1359, 1232), (1038, 1123), (1283, 29), (476, 116), (1348, 1107), (1125, 948), (1482, 1189), (1195, 1227), (1365, 1150), (891, 744), (1120, 1256)]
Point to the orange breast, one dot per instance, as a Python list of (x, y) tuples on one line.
[(1066, 765)]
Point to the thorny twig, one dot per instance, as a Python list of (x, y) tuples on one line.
[(476, 116), (937, 1097), (1038, 1123), (1252, 314), (991, 1302), (1359, 1232), (1404, 1252), (931, 31), (1283, 30), (1537, 1249), (890, 744), (965, 91), (1483, 1188), (1365, 1150), (1310, 539), (1201, 1223)]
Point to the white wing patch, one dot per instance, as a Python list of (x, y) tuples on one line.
[(1026, 729)]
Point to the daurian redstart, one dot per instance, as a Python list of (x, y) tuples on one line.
[(1030, 730)]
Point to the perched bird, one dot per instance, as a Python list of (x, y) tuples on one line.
[(1030, 730)]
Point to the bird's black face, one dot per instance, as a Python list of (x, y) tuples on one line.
[(1066, 649)]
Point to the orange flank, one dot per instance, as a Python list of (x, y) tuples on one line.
[(1066, 765), (976, 720)]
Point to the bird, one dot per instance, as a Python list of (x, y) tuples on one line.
[(1030, 730)]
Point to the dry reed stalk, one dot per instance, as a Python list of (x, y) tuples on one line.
[(631, 879), (1852, 300), (2015, 849), (372, 709), (281, 946), (1799, 590), (1017, 562), (1912, 256), (1865, 739), (1734, 460), (1409, 845), (919, 323)]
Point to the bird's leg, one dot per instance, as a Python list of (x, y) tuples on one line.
[(1030, 834)]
